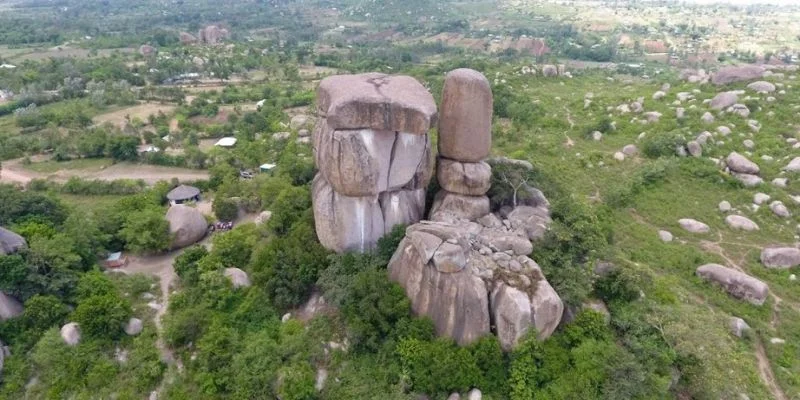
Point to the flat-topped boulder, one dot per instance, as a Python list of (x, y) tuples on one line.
[(762, 87), (376, 101), (736, 283)]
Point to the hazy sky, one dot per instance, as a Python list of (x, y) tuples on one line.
[(744, 2)]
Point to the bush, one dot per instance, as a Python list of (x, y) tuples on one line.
[(662, 145), (102, 316), (439, 367), (373, 307), (186, 264), (146, 231), (225, 209)]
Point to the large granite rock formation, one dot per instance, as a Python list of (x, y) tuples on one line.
[(374, 155), (10, 242), (212, 34), (475, 278), (465, 138)]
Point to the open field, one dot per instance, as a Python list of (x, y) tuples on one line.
[(141, 111)]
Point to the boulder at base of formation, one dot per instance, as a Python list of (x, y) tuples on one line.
[(736, 283), (780, 257), (464, 275), (187, 225)]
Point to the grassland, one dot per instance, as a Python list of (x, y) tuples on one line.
[(693, 314)]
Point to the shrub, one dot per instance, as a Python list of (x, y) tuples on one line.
[(225, 209), (102, 316), (662, 145)]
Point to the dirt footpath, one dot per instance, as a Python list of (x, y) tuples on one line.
[(14, 172)]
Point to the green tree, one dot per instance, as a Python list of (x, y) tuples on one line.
[(186, 264), (225, 209), (102, 316), (43, 312), (146, 231)]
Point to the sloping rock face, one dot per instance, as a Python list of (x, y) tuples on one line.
[(465, 138), (736, 283), (186, 224), (737, 74), (373, 152), (475, 278)]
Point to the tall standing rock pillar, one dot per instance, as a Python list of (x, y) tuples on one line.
[(465, 138), (373, 152)]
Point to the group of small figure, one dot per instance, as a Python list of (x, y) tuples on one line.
[(221, 226)]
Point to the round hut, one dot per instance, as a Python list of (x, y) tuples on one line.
[(183, 194)]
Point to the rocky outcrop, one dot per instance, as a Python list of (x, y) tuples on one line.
[(373, 152), (762, 87), (187, 225), (736, 283), (475, 278), (740, 222), (737, 74), (147, 50), (212, 34), (465, 138)]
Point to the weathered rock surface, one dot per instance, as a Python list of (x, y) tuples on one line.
[(376, 101), (793, 166), (465, 124), (738, 326), (367, 162), (694, 148), (737, 74), (71, 334), (724, 206), (739, 163), (762, 87), (665, 236), (534, 221), (779, 209), (345, 223), (212, 34), (740, 222), (237, 277), (374, 155), (780, 257), (724, 100), (187, 225), (458, 205), (749, 180), (473, 179), (464, 275), (694, 226), (10, 242), (9, 307), (133, 327), (736, 283)]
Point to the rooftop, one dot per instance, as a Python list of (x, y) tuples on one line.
[(183, 192)]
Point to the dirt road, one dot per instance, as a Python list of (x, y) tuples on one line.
[(14, 172)]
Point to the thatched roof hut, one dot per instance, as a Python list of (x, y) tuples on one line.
[(183, 194), (10, 242)]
